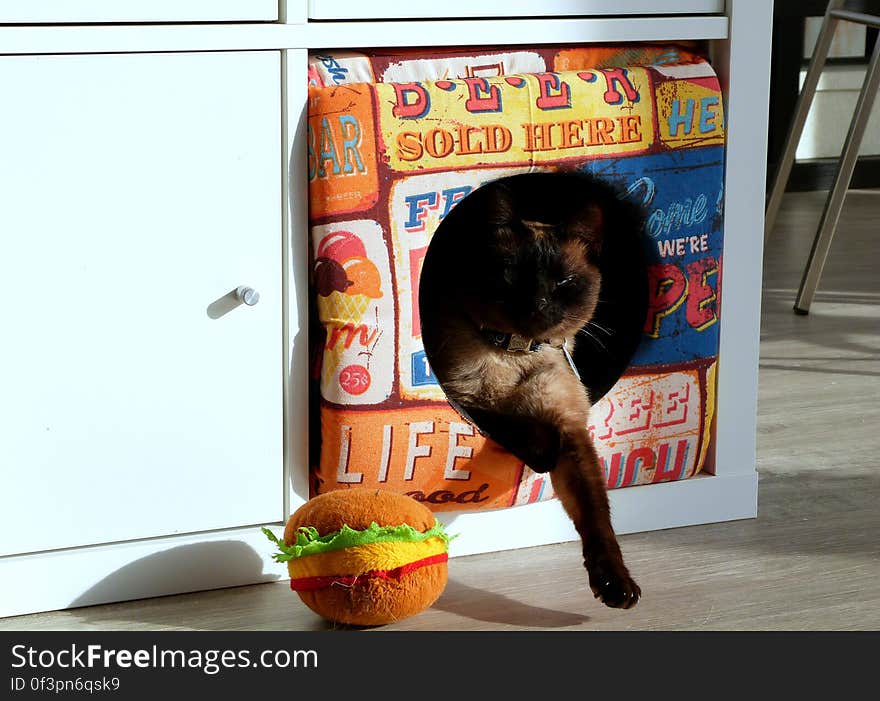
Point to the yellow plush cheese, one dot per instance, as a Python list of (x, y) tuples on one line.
[(364, 558)]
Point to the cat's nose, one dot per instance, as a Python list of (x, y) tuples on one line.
[(542, 303)]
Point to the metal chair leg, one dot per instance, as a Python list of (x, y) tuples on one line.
[(802, 110), (834, 204)]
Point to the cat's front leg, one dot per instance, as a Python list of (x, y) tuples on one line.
[(532, 440), (579, 482)]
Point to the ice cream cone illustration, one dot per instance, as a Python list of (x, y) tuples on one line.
[(341, 308), (347, 284)]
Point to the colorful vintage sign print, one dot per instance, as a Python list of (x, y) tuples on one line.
[(396, 141)]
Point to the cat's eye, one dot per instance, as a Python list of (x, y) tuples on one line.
[(566, 281)]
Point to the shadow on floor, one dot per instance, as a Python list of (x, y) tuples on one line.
[(187, 568), (481, 605), (833, 332), (809, 512)]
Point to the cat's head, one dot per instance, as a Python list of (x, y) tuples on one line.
[(534, 270)]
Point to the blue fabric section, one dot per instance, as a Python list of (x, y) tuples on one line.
[(682, 192)]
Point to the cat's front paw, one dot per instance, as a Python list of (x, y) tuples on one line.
[(614, 586)]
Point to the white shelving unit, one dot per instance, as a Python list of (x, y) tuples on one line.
[(157, 166)]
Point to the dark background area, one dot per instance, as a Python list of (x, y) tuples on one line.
[(787, 62)]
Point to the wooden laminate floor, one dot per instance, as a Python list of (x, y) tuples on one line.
[(810, 561)]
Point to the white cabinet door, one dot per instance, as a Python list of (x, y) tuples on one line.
[(394, 9), (136, 191), (72, 11)]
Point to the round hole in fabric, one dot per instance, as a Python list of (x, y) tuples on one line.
[(462, 256)]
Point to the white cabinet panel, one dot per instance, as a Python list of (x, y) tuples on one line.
[(70, 11), (394, 9), (135, 190)]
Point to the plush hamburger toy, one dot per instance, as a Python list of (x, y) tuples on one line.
[(364, 556)]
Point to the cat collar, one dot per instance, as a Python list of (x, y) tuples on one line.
[(514, 343)]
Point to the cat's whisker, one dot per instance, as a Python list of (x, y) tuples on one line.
[(607, 303), (604, 329), (585, 332)]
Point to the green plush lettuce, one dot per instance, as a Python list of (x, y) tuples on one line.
[(309, 542)]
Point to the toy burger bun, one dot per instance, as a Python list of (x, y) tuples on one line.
[(365, 556)]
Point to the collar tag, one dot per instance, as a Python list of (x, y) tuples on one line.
[(511, 342), (570, 361), (519, 343)]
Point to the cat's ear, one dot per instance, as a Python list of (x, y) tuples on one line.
[(588, 225), (500, 205)]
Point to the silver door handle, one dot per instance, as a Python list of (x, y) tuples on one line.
[(247, 295)]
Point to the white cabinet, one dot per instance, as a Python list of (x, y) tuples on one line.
[(145, 437), (136, 191), (68, 11), (395, 9)]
